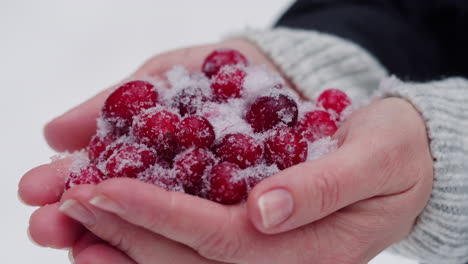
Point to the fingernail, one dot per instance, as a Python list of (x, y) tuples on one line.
[(106, 204), (275, 207), (78, 212)]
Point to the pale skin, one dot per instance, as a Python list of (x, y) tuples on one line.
[(344, 208)]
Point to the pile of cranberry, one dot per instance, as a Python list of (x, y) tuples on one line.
[(214, 134)]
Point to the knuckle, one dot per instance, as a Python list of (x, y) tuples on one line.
[(220, 244), (123, 239), (328, 188), (157, 220)]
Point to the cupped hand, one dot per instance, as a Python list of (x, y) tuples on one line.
[(43, 186), (343, 208)]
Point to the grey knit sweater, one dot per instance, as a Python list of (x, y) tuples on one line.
[(315, 61)]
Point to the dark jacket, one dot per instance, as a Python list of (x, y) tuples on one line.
[(413, 39)]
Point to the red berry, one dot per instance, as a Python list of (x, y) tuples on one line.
[(105, 155), (163, 178), (228, 83), (226, 185), (239, 149), (195, 131), (333, 99), (98, 145), (157, 130), (190, 167), (221, 57), (87, 175), (285, 148), (189, 101), (316, 125), (130, 160), (270, 111), (127, 101)]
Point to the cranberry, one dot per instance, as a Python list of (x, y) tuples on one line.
[(190, 167), (228, 83), (98, 145), (157, 130), (163, 178), (226, 185), (221, 57), (87, 175), (316, 125), (195, 131), (334, 99), (130, 160), (285, 148), (239, 149), (270, 111), (189, 101), (105, 155), (127, 101)]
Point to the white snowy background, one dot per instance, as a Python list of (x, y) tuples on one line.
[(55, 53)]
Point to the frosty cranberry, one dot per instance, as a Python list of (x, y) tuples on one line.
[(285, 147), (195, 131), (221, 57), (157, 129), (228, 83), (129, 160), (316, 124), (190, 167), (333, 99), (127, 101), (226, 185), (270, 111), (239, 149), (189, 101), (163, 178), (98, 145), (87, 175)]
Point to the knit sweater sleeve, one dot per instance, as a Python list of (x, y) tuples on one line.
[(316, 61)]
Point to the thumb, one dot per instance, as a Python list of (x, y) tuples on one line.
[(312, 190)]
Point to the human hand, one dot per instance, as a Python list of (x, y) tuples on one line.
[(43, 186), (345, 207)]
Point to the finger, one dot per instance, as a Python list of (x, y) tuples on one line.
[(215, 231), (102, 254), (44, 184), (74, 129), (49, 228), (312, 190), (140, 244), (86, 240)]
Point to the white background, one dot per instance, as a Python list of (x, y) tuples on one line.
[(55, 54)]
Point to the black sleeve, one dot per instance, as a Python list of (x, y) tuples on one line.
[(414, 39)]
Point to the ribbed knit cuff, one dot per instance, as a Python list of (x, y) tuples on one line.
[(316, 61), (441, 232)]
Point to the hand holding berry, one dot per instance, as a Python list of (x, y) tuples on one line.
[(343, 208)]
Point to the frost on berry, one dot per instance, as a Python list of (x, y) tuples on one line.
[(256, 174), (190, 166), (334, 100), (226, 184), (228, 83), (221, 57), (86, 175), (271, 111), (129, 161), (157, 128), (162, 177), (195, 131), (240, 149), (285, 147), (98, 145), (127, 101), (316, 125), (189, 101)]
